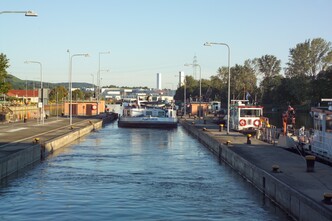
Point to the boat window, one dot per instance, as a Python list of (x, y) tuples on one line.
[(317, 124), (148, 113), (329, 123), (161, 114), (250, 113)]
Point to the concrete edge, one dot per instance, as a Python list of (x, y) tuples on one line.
[(19, 160), (56, 143), (290, 200), (35, 153)]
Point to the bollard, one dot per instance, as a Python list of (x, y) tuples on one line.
[(221, 127), (310, 162), (275, 168), (228, 142), (36, 140), (204, 129), (248, 139), (327, 198)]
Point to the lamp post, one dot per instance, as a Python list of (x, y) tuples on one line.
[(41, 88), (93, 84), (200, 84), (185, 97), (27, 13), (98, 79), (229, 79), (71, 85)]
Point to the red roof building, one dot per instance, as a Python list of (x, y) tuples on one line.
[(30, 95)]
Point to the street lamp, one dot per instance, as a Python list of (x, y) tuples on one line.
[(27, 13), (98, 79), (41, 88), (229, 79), (200, 84), (71, 85), (93, 84)]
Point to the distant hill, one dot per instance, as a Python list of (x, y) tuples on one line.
[(19, 84)]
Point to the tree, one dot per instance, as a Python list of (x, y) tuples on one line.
[(322, 86), (59, 92), (269, 67), (309, 58), (4, 84), (77, 95), (243, 80)]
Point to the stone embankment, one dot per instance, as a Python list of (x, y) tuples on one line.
[(23, 144), (280, 175)]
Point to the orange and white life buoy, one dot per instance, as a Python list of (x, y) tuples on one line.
[(94, 107), (242, 122), (257, 123)]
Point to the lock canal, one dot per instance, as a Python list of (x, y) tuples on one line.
[(133, 174)]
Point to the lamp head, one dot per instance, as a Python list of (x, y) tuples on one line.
[(207, 44), (31, 14)]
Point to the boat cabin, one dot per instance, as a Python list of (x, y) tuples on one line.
[(149, 112), (322, 139), (245, 116)]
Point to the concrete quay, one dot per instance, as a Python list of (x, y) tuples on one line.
[(23, 144), (279, 174)]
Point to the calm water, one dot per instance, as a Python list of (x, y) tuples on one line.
[(133, 174)]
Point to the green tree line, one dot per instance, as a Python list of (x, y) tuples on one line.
[(307, 78)]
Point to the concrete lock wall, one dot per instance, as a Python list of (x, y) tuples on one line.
[(34, 153), (59, 142), (19, 160), (291, 201)]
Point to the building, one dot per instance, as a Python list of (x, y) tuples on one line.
[(84, 108), (27, 96)]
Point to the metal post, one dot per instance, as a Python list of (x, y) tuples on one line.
[(229, 79), (41, 88), (71, 86)]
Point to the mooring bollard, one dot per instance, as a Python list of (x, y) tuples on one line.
[(36, 140), (221, 127), (248, 139), (310, 162), (327, 198), (275, 168)]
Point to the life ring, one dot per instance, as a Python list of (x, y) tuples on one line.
[(257, 123), (242, 122)]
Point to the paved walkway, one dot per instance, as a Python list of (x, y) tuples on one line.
[(292, 166), (18, 135)]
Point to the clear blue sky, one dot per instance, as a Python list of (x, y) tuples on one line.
[(150, 36)]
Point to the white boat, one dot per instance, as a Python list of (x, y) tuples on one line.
[(148, 118), (245, 117), (317, 141), (321, 139)]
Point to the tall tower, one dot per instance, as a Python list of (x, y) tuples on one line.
[(181, 78), (159, 81)]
